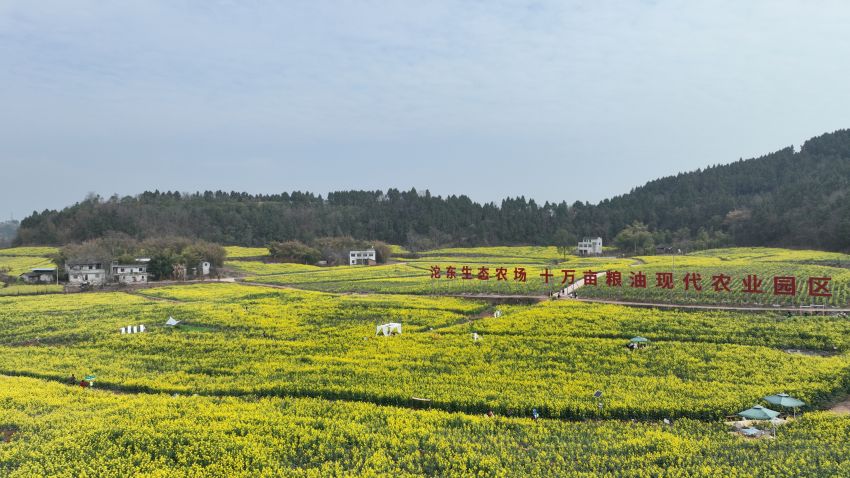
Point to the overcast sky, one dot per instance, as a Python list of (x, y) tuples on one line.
[(552, 100)]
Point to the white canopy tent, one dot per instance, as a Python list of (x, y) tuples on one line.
[(391, 328)]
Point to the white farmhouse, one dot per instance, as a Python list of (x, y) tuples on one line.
[(367, 257), (590, 247), (86, 273), (129, 273)]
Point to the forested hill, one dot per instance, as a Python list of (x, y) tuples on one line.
[(786, 198)]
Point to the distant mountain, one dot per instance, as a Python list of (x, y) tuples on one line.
[(8, 231), (786, 198)]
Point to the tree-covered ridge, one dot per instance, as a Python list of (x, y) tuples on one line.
[(786, 198), (783, 198)]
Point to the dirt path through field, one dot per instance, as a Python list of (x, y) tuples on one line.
[(155, 298), (565, 293), (657, 305), (841, 408)]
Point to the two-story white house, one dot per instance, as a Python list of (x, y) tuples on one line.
[(93, 273), (367, 258), (590, 246), (86, 272), (129, 273)]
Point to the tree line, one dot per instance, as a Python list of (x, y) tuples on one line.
[(786, 198)]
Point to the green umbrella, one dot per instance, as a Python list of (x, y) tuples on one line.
[(758, 412), (785, 400), (639, 340)]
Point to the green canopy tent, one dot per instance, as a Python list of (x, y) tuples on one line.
[(785, 400), (636, 342), (758, 412)]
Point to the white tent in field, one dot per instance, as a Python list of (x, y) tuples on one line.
[(391, 328), (172, 322)]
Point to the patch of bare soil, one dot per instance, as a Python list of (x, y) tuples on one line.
[(6, 434), (47, 341), (841, 408), (811, 353), (27, 343), (488, 312)]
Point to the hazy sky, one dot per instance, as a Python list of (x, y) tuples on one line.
[(553, 100)]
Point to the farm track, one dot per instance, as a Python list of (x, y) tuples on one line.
[(326, 270), (841, 408), (411, 404), (656, 305), (508, 297), (481, 296), (273, 286), (155, 298), (578, 284), (119, 389), (565, 293)]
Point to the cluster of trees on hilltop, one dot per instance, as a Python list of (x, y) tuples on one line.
[(786, 198), (332, 250), (637, 238)]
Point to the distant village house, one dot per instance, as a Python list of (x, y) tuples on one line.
[(86, 273), (39, 276), (93, 273), (590, 247), (181, 272), (130, 273), (367, 258)]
